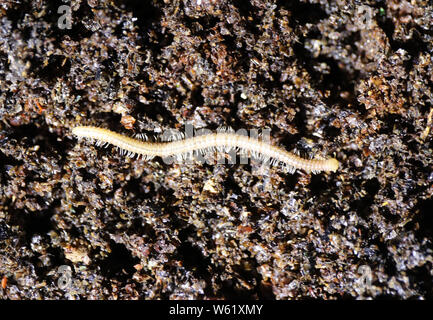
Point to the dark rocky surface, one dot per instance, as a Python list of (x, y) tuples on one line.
[(345, 79)]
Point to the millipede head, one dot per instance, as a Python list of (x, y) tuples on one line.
[(332, 165)]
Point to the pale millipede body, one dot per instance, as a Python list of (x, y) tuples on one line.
[(213, 141)]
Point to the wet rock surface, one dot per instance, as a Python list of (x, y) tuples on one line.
[(347, 80)]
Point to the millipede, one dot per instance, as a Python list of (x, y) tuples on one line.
[(222, 140)]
